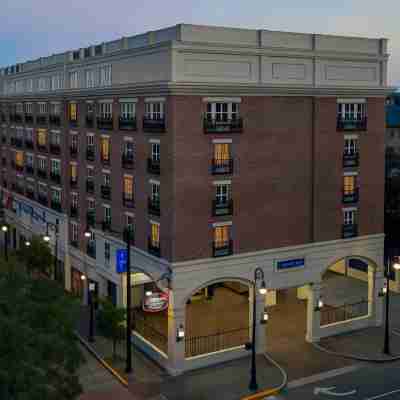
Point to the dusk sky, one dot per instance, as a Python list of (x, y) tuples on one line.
[(33, 28)]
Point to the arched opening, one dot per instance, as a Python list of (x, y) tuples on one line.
[(346, 290), (217, 318)]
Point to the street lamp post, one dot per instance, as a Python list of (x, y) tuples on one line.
[(128, 368), (4, 228), (258, 275), (91, 302)]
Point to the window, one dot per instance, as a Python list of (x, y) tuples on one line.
[(155, 192), (90, 140), (107, 252), (91, 204), (350, 146), (222, 193), (105, 149), (129, 221), (43, 108), (222, 112), (19, 108), (56, 195), (55, 167), (42, 189), (72, 112), (90, 76), (155, 234), (74, 141), (42, 137), (74, 172), (28, 108), (105, 75), (56, 82), (29, 159), (107, 213), (98, 50), (89, 109), (29, 85), (155, 152), (128, 110), (128, 187), (107, 179), (19, 158), (42, 163), (74, 200), (74, 232), (221, 236), (44, 84), (20, 133), (349, 217), (221, 151), (128, 149), (154, 110), (351, 111), (55, 138), (90, 173), (55, 108), (349, 184), (106, 110), (73, 80)]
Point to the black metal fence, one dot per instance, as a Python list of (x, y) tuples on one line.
[(197, 345), (330, 315)]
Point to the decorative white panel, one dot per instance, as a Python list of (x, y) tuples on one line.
[(286, 40), (348, 73), (286, 70), (351, 44)]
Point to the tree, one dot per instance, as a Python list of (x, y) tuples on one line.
[(39, 354), (110, 321), (38, 257)]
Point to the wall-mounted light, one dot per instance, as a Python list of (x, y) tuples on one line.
[(396, 265), (263, 289), (83, 277), (180, 334), (46, 238), (383, 291), (319, 305), (27, 243), (87, 233), (92, 287), (149, 293), (264, 317), (4, 228)]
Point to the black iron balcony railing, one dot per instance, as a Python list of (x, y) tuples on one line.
[(105, 159), (41, 120), (89, 120), (29, 119), (222, 248), (350, 197), (90, 218), (55, 205), (41, 147), (29, 143), (3, 139), (127, 124), (154, 125), (90, 186), (90, 154), (73, 151), (351, 124), (127, 161), (349, 231), (105, 123), (128, 201), (17, 118), (42, 173), (350, 160), (42, 199), (74, 243), (222, 167), (105, 192), (153, 166), (106, 225), (153, 206), (73, 123), (30, 194), (231, 125), (55, 177), (55, 120), (91, 250), (73, 211), (29, 169), (55, 148), (222, 208), (153, 247)]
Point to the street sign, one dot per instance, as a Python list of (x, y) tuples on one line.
[(155, 302), (288, 264), (122, 261)]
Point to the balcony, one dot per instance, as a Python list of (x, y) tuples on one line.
[(91, 250), (41, 173), (90, 154), (30, 194), (55, 149), (351, 124), (73, 182), (153, 247), (28, 119), (127, 124), (73, 151), (41, 120), (55, 177), (29, 169), (350, 160), (16, 142), (128, 201), (105, 159), (41, 147), (223, 248), (73, 212), (105, 192), (153, 206), (229, 126), (55, 205), (127, 161), (17, 118), (222, 167), (153, 125), (105, 123), (90, 186), (91, 218), (153, 166), (350, 197), (19, 168), (73, 123), (42, 199), (89, 121), (106, 225), (3, 139), (349, 231), (55, 120), (29, 143), (221, 209)]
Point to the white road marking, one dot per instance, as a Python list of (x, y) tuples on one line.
[(330, 391), (379, 396), (324, 375)]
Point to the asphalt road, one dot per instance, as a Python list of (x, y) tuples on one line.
[(369, 382)]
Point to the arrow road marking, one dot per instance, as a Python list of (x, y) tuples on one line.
[(329, 391)]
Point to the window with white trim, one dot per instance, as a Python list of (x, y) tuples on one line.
[(222, 112), (43, 108), (29, 85), (55, 166), (55, 108), (128, 110), (107, 213), (57, 82), (222, 193), (128, 149), (91, 204), (56, 195), (107, 179), (129, 221), (28, 108), (155, 152), (90, 172), (44, 83), (105, 75), (90, 78), (74, 200), (42, 163), (350, 146), (221, 236), (155, 192), (128, 187), (19, 108), (74, 232), (105, 110), (154, 110), (74, 140), (73, 80), (349, 217), (107, 252), (29, 159), (55, 138), (90, 141), (351, 111)]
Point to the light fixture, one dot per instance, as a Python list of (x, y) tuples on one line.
[(383, 291), (92, 287), (87, 234), (263, 289), (265, 317), (46, 238), (4, 228), (396, 266), (83, 277), (319, 305), (149, 293), (27, 243), (180, 334)]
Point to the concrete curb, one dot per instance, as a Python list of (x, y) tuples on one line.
[(268, 392), (107, 366)]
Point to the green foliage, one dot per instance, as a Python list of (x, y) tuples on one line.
[(39, 354), (110, 321), (38, 257)]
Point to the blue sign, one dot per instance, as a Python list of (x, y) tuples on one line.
[(122, 261), (288, 264)]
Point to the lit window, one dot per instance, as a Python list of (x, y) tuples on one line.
[(349, 184), (155, 235), (128, 187), (221, 236), (72, 112), (105, 148), (42, 137), (221, 151)]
